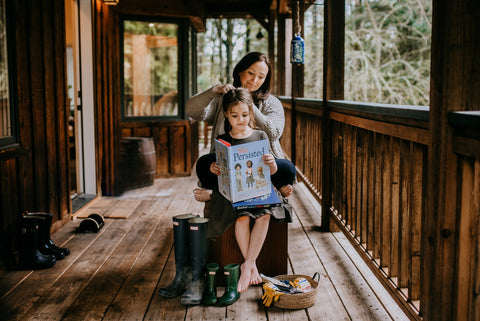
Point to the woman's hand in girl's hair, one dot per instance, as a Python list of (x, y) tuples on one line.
[(222, 89), (215, 168), (269, 160)]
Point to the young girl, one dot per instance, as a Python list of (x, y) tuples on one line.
[(254, 73), (239, 124)]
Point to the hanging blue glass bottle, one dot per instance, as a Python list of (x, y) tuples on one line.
[(297, 50)]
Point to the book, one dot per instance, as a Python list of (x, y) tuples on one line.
[(264, 201), (243, 173)]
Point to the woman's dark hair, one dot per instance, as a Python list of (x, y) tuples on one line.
[(245, 63), (233, 97)]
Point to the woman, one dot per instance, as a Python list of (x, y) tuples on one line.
[(252, 72)]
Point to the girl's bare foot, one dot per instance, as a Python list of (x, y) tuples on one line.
[(255, 277), (245, 275), (202, 194), (286, 190)]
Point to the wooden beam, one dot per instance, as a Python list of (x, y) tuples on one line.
[(261, 20), (283, 7)]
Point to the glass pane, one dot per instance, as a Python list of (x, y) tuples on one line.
[(150, 69), (314, 51), (387, 51), (5, 121)]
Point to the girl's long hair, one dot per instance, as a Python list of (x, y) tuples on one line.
[(232, 98)]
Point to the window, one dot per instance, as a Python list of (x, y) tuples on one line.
[(150, 69), (7, 128), (313, 31), (387, 51)]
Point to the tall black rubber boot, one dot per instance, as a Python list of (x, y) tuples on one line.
[(198, 254), (45, 243), (30, 256), (182, 257)]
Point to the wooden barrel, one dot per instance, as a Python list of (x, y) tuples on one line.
[(138, 162)]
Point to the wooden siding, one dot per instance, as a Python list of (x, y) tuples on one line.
[(34, 172), (175, 141)]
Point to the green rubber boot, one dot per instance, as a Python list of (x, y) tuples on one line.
[(232, 272), (210, 296)]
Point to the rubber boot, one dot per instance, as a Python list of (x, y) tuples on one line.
[(232, 272), (182, 257), (45, 243), (198, 254), (30, 256), (210, 297)]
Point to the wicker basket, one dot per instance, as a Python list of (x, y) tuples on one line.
[(298, 300)]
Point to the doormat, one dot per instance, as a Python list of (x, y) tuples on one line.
[(110, 207), (81, 200)]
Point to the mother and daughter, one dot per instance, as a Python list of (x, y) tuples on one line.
[(239, 113)]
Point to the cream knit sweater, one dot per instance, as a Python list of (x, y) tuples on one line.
[(269, 116)]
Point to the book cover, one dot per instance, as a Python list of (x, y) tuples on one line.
[(243, 173), (264, 201)]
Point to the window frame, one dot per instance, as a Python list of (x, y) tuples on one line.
[(9, 141), (182, 70)]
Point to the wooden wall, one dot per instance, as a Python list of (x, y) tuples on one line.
[(175, 140), (33, 172)]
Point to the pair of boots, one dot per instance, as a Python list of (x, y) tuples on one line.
[(37, 250), (190, 242), (231, 294)]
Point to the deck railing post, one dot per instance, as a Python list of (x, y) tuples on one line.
[(333, 88)]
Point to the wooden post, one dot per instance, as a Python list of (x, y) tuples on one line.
[(272, 17), (281, 57), (297, 73), (333, 75), (454, 79)]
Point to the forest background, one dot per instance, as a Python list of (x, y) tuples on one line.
[(387, 50)]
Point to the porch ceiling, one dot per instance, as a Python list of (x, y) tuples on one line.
[(200, 10)]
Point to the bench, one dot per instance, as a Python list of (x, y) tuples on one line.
[(271, 261)]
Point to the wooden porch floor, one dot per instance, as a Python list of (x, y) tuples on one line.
[(114, 274)]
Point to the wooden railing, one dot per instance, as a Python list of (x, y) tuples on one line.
[(377, 189), (466, 146)]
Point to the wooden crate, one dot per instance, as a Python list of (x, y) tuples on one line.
[(272, 260)]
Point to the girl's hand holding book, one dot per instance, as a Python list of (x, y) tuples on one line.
[(215, 168)]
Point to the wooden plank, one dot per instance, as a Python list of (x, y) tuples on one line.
[(378, 197), (328, 306), (353, 182), (467, 251), (417, 195), (55, 301), (94, 299), (387, 203), (144, 302), (370, 193), (248, 307), (394, 311), (29, 292), (395, 236), (100, 206), (122, 209), (417, 135), (355, 294), (405, 182), (475, 304)]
